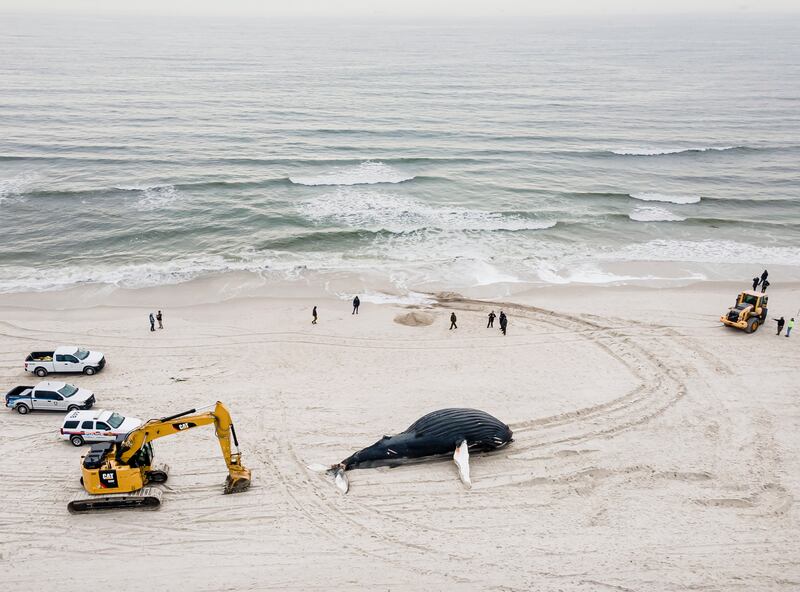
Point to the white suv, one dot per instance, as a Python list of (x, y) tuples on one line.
[(96, 426)]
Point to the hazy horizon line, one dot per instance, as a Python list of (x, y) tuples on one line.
[(742, 12)]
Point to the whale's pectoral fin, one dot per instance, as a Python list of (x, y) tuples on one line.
[(340, 479), (461, 458)]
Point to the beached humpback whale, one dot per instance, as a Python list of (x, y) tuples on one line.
[(442, 432)]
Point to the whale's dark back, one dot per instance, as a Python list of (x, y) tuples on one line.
[(481, 430)]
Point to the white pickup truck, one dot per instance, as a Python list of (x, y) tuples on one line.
[(67, 358), (49, 396)]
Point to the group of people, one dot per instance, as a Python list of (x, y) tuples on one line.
[(764, 282), (781, 322), (315, 315), (158, 317), (502, 319), (761, 280)]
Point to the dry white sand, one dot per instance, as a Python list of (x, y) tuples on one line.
[(654, 449)]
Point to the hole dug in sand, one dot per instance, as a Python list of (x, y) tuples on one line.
[(414, 319)]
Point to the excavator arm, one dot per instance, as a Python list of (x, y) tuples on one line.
[(238, 476)]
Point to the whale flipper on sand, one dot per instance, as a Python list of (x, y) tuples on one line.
[(461, 458), (341, 480)]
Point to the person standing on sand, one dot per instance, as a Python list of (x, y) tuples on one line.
[(314, 316), (356, 304), (152, 322), (159, 317), (781, 322), (453, 321), (491, 320), (764, 276), (503, 322), (790, 326), (755, 283), (764, 286)]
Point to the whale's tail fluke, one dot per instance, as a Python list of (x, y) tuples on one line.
[(461, 458)]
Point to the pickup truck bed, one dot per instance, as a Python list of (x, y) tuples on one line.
[(19, 391), (40, 357)]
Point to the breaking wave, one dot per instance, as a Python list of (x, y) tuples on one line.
[(665, 151), (365, 173), (155, 197), (676, 199), (15, 188), (383, 211), (654, 214)]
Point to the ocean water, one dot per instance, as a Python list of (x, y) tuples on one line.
[(140, 151)]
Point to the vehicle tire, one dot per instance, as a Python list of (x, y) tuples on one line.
[(76, 440), (22, 409), (72, 408), (753, 325), (81, 479), (88, 371), (40, 372)]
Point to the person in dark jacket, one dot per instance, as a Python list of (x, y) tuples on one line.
[(152, 322), (781, 322), (314, 316), (491, 320), (503, 322), (356, 304), (764, 286), (755, 283), (764, 276), (453, 321)]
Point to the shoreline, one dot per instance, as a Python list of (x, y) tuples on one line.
[(234, 286)]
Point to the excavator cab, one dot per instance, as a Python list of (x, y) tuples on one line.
[(143, 458), (749, 312)]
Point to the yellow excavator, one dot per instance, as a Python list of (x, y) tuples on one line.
[(116, 474)]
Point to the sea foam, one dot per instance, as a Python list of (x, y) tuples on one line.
[(153, 197), (14, 188), (377, 210), (367, 173), (654, 214)]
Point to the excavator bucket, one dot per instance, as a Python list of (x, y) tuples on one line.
[(238, 481)]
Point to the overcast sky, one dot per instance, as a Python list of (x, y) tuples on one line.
[(401, 8)]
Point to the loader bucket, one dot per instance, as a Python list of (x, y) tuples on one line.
[(237, 482)]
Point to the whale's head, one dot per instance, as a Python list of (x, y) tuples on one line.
[(385, 449)]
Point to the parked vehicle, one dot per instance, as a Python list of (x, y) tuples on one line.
[(49, 396), (66, 358), (96, 426)]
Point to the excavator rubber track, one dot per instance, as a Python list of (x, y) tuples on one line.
[(147, 498)]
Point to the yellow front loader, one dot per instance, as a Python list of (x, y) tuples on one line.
[(117, 474), (749, 312)]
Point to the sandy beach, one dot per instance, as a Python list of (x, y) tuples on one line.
[(654, 449)]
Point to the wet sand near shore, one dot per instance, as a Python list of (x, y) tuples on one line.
[(654, 449)]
